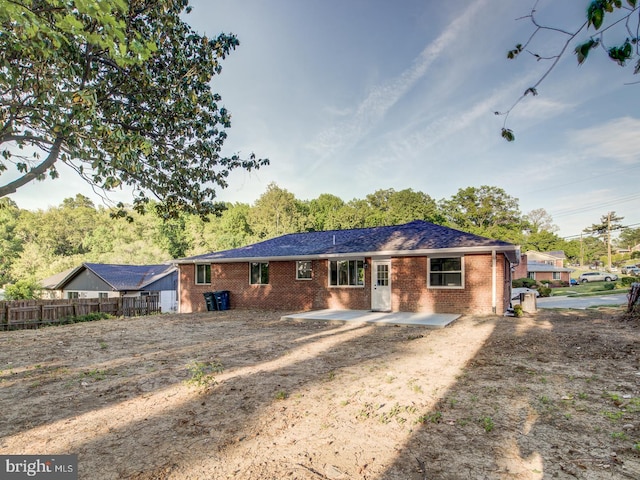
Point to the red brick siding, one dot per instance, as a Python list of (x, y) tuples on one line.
[(521, 270), (410, 292), (282, 292), (408, 281)]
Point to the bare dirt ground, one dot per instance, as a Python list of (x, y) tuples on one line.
[(553, 395)]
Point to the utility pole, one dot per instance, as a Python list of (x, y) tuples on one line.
[(609, 241), (581, 251)]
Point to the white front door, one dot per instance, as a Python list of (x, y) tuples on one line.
[(381, 285)]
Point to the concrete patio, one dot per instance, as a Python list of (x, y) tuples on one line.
[(432, 320)]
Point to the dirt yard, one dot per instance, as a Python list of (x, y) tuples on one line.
[(555, 395)]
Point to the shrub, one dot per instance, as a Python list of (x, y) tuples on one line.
[(517, 310), (627, 281), (23, 290), (609, 286), (544, 291), (524, 283)]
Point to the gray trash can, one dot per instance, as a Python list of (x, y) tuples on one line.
[(210, 300)]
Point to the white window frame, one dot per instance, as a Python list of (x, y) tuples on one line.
[(260, 274), (556, 275), (460, 272), (197, 279), (347, 285), (306, 269)]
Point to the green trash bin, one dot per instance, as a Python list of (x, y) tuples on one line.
[(210, 300)]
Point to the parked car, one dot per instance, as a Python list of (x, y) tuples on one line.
[(633, 271), (597, 277), (625, 269), (515, 292)]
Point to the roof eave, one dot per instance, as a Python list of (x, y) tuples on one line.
[(376, 253)]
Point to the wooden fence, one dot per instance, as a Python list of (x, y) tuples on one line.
[(19, 314)]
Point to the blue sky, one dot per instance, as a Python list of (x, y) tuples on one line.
[(351, 96)]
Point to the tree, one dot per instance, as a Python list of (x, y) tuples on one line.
[(486, 210), (10, 244), (120, 91), (629, 237), (389, 207), (323, 211), (606, 19), (539, 220), (275, 213), (608, 223), (23, 290)]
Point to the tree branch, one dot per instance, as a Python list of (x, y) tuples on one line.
[(35, 172)]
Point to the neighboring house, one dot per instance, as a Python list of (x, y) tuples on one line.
[(541, 266), (96, 280), (416, 267)]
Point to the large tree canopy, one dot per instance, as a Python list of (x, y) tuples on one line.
[(120, 91), (604, 21)]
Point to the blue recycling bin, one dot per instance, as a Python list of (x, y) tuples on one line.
[(222, 299)]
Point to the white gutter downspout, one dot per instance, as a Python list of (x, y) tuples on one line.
[(494, 278)]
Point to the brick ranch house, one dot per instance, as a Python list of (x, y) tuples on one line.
[(415, 267)]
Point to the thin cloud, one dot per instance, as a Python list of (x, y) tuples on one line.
[(617, 140), (382, 98)]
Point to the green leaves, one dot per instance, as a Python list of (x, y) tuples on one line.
[(621, 53), (582, 50), (125, 93), (508, 135), (512, 54), (595, 13)]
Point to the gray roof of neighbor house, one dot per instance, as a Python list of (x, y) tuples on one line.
[(119, 277), (414, 238), (545, 267)]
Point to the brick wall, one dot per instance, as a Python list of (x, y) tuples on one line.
[(410, 292), (521, 270), (282, 292), (408, 280)]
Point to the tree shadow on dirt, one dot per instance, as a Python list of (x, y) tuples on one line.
[(554, 395)]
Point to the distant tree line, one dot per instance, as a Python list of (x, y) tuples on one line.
[(37, 244)]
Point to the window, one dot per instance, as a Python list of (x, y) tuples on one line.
[(531, 275), (71, 295), (103, 295), (446, 272), (303, 270), (346, 273), (203, 274), (556, 276), (259, 273)]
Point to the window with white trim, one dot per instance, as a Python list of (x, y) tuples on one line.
[(259, 273), (203, 274), (303, 270), (346, 273), (446, 272), (557, 276)]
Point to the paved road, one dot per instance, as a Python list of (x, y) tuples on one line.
[(582, 302)]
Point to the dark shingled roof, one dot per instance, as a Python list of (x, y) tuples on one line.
[(130, 277), (413, 236)]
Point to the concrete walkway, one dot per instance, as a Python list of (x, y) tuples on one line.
[(432, 320)]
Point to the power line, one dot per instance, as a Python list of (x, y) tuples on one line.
[(596, 205), (581, 234)]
